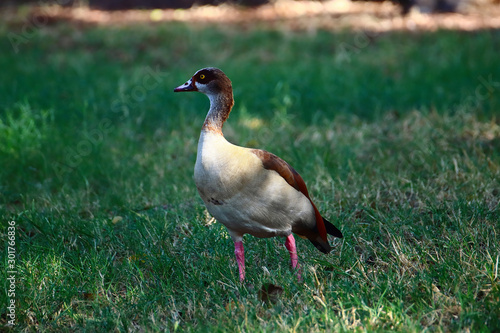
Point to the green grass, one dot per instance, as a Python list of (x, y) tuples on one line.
[(398, 141)]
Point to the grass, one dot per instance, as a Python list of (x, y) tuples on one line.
[(398, 140)]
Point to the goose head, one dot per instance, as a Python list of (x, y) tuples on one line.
[(216, 85), (211, 81)]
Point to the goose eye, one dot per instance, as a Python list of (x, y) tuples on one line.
[(202, 76)]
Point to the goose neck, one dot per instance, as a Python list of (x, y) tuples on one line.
[(220, 107)]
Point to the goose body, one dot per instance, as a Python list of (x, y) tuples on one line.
[(250, 191), (241, 194)]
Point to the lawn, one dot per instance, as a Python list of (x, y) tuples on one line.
[(397, 135)]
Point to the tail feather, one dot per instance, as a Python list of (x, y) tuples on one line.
[(321, 245), (332, 230), (317, 240), (315, 236)]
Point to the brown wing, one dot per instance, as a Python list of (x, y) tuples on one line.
[(292, 177)]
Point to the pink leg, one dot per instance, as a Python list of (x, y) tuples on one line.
[(240, 258), (292, 249)]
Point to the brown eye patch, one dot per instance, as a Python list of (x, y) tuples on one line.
[(204, 76)]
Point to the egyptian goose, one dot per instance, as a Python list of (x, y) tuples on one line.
[(250, 191)]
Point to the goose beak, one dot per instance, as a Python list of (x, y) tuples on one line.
[(188, 86)]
